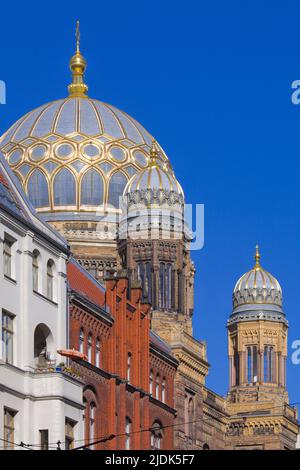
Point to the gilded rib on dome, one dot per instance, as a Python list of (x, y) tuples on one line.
[(76, 155)]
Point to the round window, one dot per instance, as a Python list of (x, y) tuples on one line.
[(91, 151), (117, 154), (140, 158), (15, 156), (38, 153), (64, 151)]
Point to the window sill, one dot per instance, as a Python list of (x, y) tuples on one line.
[(45, 298), (10, 279)]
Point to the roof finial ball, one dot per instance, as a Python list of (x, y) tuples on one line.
[(257, 256), (78, 67)]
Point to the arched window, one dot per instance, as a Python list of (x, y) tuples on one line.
[(129, 357), (92, 422), (156, 435), (151, 382), (50, 279), (206, 447), (127, 432), (81, 341), (92, 188), (117, 185), (157, 384), (64, 188), (89, 349), (98, 352), (35, 271), (163, 390), (43, 345), (38, 191)]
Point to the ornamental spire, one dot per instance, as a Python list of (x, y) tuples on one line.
[(153, 153), (78, 67), (257, 256)]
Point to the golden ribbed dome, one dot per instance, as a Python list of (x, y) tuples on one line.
[(257, 286), (75, 156), (156, 176)]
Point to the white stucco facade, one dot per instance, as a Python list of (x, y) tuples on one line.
[(39, 396)]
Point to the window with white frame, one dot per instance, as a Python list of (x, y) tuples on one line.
[(156, 436), (98, 352), (163, 390), (7, 337), (129, 360), (157, 384), (9, 428), (90, 344), (127, 433), (151, 382), (69, 434), (50, 279), (92, 435), (81, 341), (35, 271), (8, 256)]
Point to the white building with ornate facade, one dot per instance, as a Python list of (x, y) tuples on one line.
[(40, 403)]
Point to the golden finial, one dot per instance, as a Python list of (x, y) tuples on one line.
[(153, 153), (257, 256), (78, 67), (77, 35)]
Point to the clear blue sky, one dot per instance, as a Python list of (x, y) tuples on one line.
[(212, 82)]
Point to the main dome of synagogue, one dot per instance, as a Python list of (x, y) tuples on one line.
[(76, 155)]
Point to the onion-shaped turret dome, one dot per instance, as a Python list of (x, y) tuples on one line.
[(257, 295)]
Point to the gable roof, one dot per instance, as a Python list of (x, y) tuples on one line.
[(82, 282)]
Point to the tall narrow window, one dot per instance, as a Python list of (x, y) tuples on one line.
[(9, 429), (191, 418), (7, 258), (35, 271), (92, 422), (44, 439), (81, 341), (163, 390), (129, 357), (38, 190), (89, 354), (84, 418), (269, 359), (64, 188), (165, 285), (251, 364), (127, 433), (69, 434), (98, 352), (157, 384), (50, 279), (151, 382), (162, 285), (168, 276), (7, 337), (117, 185)]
